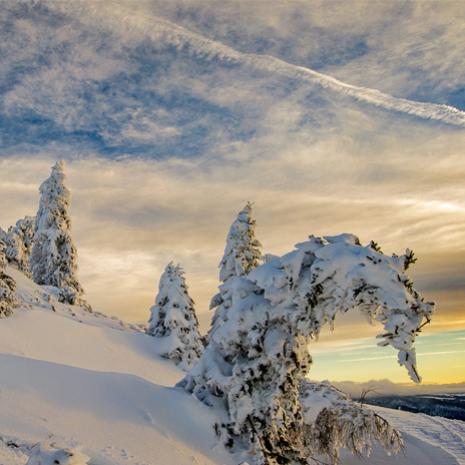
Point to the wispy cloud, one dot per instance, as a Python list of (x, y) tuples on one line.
[(162, 31)]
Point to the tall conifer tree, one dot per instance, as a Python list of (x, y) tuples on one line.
[(241, 255), (54, 258)]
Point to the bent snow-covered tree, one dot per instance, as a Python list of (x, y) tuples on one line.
[(53, 259), (7, 286), (19, 240), (241, 255), (173, 320), (256, 362)]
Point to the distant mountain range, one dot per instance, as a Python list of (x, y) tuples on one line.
[(444, 400), (448, 406), (385, 387)]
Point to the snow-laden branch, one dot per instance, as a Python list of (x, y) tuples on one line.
[(18, 241), (332, 421)]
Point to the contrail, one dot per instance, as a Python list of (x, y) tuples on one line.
[(134, 23)]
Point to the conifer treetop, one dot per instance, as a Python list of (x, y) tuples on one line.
[(242, 251), (55, 200)]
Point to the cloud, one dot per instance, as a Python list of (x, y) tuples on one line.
[(120, 79), (131, 216), (411, 49), (164, 32)]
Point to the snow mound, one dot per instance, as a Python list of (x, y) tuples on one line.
[(49, 455)]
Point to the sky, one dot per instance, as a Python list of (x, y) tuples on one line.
[(331, 116)]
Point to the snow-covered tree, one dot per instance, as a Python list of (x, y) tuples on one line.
[(256, 362), (241, 255), (18, 242), (53, 259), (7, 286), (173, 320), (50, 454), (242, 252)]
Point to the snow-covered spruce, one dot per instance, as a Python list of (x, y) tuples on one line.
[(49, 454), (242, 252), (173, 320), (241, 255), (53, 259), (7, 287), (256, 360), (332, 421), (18, 240)]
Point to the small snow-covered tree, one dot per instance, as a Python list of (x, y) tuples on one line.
[(19, 241), (7, 286), (53, 259), (173, 320), (241, 255), (255, 363)]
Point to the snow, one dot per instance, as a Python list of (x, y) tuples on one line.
[(81, 339), (11, 454), (83, 379), (50, 454), (440, 433)]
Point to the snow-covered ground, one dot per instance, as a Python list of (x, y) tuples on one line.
[(79, 378)]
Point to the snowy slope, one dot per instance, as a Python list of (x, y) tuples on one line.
[(92, 380), (95, 343), (442, 433)]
